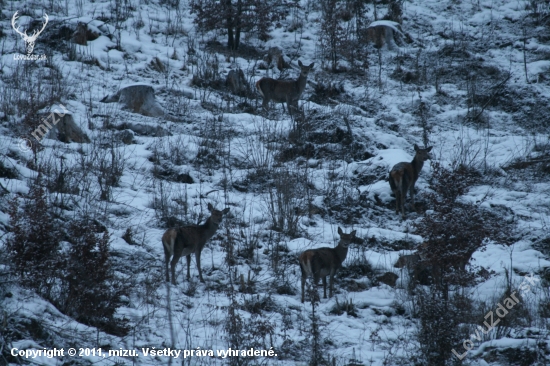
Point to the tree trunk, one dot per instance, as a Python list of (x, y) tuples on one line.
[(238, 23), (237, 37), (230, 42), (230, 37)]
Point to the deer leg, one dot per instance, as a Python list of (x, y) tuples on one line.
[(265, 102), (331, 288), (288, 102), (403, 199), (188, 258), (315, 283), (173, 267), (397, 204), (324, 287), (411, 191), (166, 262), (198, 257), (292, 106)]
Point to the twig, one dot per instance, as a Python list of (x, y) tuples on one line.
[(497, 89), (525, 163)]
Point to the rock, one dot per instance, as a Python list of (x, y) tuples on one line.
[(138, 99), (67, 131), (274, 58), (82, 34), (157, 65), (385, 32), (126, 137), (6, 172), (184, 178), (389, 278), (236, 82), (420, 272), (262, 65), (145, 129)]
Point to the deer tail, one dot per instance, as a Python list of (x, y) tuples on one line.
[(259, 87), (168, 242), (305, 263), (397, 176), (309, 269)]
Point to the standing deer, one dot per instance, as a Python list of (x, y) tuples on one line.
[(404, 175), (186, 240), (322, 262), (284, 91)]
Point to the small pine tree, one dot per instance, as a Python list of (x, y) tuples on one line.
[(33, 248), (92, 291)]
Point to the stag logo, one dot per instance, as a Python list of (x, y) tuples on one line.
[(29, 40)]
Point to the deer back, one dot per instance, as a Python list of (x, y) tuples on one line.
[(321, 261), (324, 261), (279, 90), (191, 237)]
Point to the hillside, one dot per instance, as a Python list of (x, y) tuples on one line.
[(137, 116)]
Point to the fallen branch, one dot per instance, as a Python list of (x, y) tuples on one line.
[(526, 163), (497, 88)]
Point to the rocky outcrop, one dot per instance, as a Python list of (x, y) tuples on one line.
[(138, 99), (67, 131)]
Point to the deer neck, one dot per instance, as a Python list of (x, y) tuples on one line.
[(301, 83), (417, 165), (341, 252), (209, 228)]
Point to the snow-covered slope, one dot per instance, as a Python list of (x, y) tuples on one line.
[(474, 82)]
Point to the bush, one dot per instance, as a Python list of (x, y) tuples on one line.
[(253, 332), (79, 281), (33, 249), (439, 329), (92, 292), (455, 230)]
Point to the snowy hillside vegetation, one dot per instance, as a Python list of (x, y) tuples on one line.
[(131, 121)]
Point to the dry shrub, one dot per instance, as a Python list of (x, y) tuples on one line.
[(79, 280), (455, 230)]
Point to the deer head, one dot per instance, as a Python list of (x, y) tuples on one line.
[(29, 40)]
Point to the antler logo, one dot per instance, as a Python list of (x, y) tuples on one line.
[(29, 40)]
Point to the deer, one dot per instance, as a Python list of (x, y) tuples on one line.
[(403, 177), (284, 91), (323, 262), (186, 240), (29, 40), (426, 266)]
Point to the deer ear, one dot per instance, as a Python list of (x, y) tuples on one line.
[(225, 210), (416, 148), (353, 232), (300, 63), (210, 208), (312, 64), (339, 231), (429, 149)]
